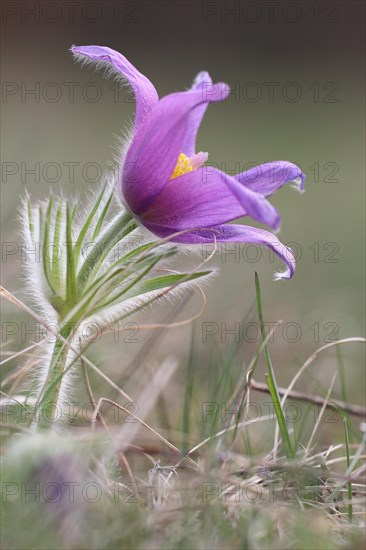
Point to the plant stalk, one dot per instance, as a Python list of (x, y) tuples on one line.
[(47, 413)]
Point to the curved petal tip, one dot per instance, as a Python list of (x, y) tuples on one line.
[(283, 275), (212, 93), (299, 183)]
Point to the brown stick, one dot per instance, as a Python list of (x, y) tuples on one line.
[(355, 410)]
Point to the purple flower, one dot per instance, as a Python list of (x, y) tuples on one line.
[(164, 181)]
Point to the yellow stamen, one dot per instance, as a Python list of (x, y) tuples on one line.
[(183, 166)]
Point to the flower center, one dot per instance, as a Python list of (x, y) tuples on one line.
[(187, 164)]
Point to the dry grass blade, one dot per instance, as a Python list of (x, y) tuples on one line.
[(5, 293), (18, 302), (147, 400), (18, 375), (13, 399), (19, 353), (89, 363), (229, 429), (306, 365), (320, 416), (312, 358), (244, 386), (177, 324)]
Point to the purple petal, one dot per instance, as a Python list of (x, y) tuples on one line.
[(145, 93), (267, 178), (236, 234), (196, 116), (207, 197), (154, 151)]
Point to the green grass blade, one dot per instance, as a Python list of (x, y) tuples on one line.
[(348, 461), (271, 380), (341, 372), (280, 416)]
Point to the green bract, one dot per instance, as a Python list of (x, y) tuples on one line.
[(91, 270)]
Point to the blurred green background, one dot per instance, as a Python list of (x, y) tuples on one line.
[(309, 54)]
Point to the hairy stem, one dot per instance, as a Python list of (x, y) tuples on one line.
[(48, 401), (49, 414)]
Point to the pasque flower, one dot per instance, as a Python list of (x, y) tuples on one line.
[(164, 182)]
